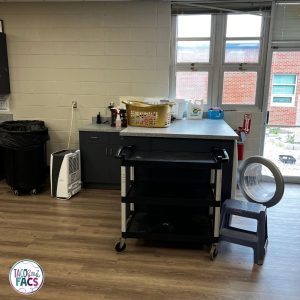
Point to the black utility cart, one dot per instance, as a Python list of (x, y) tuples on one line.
[(171, 209), (173, 181)]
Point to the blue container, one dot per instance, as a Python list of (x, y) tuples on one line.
[(215, 114)]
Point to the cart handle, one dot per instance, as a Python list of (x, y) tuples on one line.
[(120, 153), (220, 154)]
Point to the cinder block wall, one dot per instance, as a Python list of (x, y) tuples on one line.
[(88, 52)]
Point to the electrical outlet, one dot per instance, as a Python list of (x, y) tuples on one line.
[(74, 104)]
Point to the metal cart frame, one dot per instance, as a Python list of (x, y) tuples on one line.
[(131, 158)]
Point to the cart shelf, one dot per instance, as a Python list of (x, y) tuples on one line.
[(146, 226), (197, 160), (170, 194)]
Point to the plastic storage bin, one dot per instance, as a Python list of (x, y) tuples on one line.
[(24, 150), (215, 113)]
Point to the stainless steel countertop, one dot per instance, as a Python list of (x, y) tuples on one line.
[(100, 127), (195, 129)]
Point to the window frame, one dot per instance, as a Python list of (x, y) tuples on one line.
[(217, 66), (293, 97), (193, 67)]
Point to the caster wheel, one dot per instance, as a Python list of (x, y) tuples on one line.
[(33, 192), (213, 252), (120, 247), (16, 192)]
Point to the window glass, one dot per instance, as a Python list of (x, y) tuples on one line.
[(284, 79), (283, 100), (193, 51), (243, 26), (242, 51), (239, 88), (192, 85), (283, 89), (193, 26)]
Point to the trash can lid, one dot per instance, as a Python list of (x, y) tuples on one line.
[(23, 126)]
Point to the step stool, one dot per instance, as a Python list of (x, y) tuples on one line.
[(257, 240)]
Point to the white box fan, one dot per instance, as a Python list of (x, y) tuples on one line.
[(65, 173)]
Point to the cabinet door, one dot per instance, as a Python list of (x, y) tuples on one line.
[(94, 163), (98, 162), (94, 159)]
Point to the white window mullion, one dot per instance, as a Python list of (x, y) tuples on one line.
[(218, 46), (172, 83)]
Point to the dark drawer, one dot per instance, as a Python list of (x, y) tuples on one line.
[(93, 137)]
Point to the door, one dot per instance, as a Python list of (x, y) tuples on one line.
[(282, 135)]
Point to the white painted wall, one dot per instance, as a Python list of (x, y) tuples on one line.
[(88, 52)]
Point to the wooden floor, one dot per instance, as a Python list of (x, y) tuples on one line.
[(74, 243)]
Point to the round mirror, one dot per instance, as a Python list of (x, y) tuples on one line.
[(260, 181)]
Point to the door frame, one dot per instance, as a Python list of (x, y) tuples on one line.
[(276, 47)]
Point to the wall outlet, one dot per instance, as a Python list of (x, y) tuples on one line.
[(74, 104)]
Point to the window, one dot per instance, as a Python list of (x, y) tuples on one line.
[(243, 41), (219, 58), (283, 89), (193, 39), (192, 85), (239, 88), (193, 55)]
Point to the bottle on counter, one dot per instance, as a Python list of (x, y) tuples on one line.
[(118, 120), (98, 121), (195, 109)]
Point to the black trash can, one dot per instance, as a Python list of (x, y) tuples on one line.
[(23, 146)]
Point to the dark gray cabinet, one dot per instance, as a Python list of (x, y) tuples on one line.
[(99, 167)]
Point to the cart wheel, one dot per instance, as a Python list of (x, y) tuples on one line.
[(213, 252), (33, 192), (16, 192), (120, 247)]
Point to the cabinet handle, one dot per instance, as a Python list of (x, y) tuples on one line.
[(94, 137), (106, 151), (111, 151)]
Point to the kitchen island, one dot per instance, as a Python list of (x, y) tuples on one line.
[(174, 180), (190, 136)]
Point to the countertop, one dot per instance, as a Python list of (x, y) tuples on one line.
[(195, 129), (100, 127)]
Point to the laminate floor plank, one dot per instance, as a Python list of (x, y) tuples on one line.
[(74, 241)]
